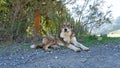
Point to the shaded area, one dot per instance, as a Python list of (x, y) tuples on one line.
[(105, 56)]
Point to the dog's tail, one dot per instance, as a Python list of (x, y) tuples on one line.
[(36, 46)]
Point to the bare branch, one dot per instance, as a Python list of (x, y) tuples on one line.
[(70, 2)]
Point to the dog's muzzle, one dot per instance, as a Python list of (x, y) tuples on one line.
[(65, 30)]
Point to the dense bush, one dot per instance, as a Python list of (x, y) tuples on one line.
[(20, 19)]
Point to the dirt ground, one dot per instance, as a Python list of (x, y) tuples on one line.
[(103, 56)]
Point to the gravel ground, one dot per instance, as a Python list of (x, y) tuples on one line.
[(104, 56)]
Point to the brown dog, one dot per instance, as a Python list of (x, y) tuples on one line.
[(65, 38)]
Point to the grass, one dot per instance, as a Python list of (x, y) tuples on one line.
[(12, 45), (94, 41)]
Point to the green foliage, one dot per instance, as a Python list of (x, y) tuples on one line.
[(17, 17), (93, 40)]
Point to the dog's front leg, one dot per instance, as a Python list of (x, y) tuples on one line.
[(73, 47), (77, 44)]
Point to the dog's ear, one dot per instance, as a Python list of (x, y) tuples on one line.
[(71, 26), (62, 25)]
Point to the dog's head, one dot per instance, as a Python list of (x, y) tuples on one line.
[(66, 31), (66, 27)]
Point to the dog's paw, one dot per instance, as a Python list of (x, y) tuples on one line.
[(86, 49), (33, 46), (77, 50), (55, 46)]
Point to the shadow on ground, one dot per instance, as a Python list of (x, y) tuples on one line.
[(103, 56)]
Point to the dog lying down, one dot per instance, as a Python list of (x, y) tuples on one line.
[(65, 38)]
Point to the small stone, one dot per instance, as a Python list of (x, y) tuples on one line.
[(116, 46), (37, 53), (22, 57), (49, 52), (0, 64), (16, 60), (106, 45), (89, 51), (56, 57), (9, 58), (49, 66), (114, 49), (81, 56), (4, 64), (83, 60)]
